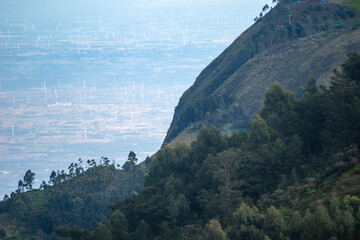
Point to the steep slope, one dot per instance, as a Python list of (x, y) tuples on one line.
[(314, 40), (294, 175)]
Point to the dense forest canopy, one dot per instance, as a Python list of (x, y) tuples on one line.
[(77, 197), (276, 181)]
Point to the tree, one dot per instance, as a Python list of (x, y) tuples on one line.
[(63, 232), (274, 223), (71, 169), (226, 175), (78, 167), (77, 234), (319, 225), (2, 233), (258, 133), (343, 105), (161, 166), (265, 8), (178, 209), (103, 233), (142, 231), (106, 161), (118, 225), (248, 216), (310, 111), (19, 209), (20, 186), (132, 157), (52, 177), (130, 164), (6, 197), (247, 223), (77, 207), (296, 225), (147, 164), (43, 185), (238, 140), (91, 163), (29, 179), (214, 231), (209, 141), (351, 68), (278, 110), (311, 87)]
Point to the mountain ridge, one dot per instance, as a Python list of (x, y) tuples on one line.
[(230, 90)]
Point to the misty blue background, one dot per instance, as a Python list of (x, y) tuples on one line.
[(100, 78)]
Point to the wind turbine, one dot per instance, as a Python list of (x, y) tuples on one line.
[(45, 90)]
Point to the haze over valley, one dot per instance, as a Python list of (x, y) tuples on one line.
[(85, 79)]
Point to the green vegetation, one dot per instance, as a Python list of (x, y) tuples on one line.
[(352, 3), (355, 3), (228, 92), (76, 198), (294, 175), (2, 233)]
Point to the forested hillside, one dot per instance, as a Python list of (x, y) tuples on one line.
[(266, 163), (294, 175), (286, 44), (79, 197)]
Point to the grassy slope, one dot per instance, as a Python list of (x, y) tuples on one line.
[(236, 81), (321, 53), (352, 3), (346, 183), (37, 207), (304, 196), (106, 184), (355, 3)]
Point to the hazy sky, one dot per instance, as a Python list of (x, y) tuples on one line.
[(36, 8)]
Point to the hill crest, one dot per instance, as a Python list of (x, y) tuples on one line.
[(231, 89)]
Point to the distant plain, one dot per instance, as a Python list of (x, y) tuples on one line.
[(84, 80)]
